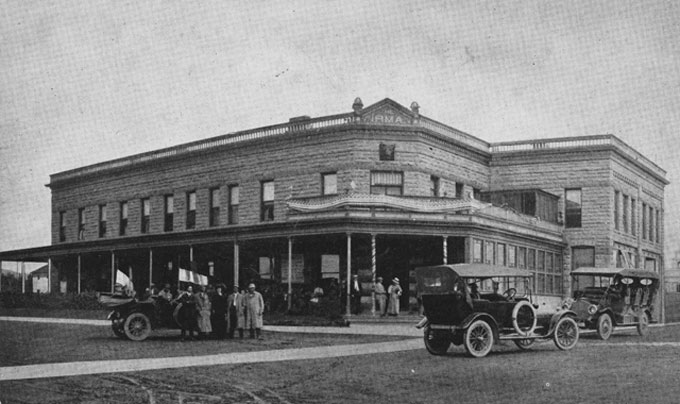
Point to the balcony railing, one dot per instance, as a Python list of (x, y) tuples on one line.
[(315, 124), (260, 133), (578, 142)]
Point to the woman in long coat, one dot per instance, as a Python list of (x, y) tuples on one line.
[(394, 292), (203, 309), (254, 306), (219, 312)]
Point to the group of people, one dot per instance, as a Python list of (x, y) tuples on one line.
[(207, 312), (387, 300)]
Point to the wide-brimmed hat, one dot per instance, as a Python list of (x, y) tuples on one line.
[(395, 280)]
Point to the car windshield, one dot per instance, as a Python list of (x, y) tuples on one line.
[(501, 284), (586, 281)]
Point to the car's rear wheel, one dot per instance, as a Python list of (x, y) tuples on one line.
[(137, 327), (605, 327), (478, 339), (643, 324), (436, 342), (524, 344), (566, 333)]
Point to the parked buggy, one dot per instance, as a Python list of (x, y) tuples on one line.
[(135, 319), (455, 313), (605, 298)]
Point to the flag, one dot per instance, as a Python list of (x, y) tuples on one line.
[(122, 279), (192, 277)]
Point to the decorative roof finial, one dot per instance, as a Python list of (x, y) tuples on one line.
[(358, 105), (415, 108)]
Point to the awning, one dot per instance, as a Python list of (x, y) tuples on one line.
[(609, 271), (484, 271)]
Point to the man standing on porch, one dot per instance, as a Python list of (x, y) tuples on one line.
[(380, 295)]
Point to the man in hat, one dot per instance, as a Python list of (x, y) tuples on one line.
[(236, 317), (380, 295), (254, 305), (355, 294), (394, 292)]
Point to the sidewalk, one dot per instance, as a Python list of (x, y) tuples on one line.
[(363, 327)]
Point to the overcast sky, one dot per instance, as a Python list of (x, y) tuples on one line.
[(84, 82)]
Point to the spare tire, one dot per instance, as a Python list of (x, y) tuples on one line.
[(524, 318)]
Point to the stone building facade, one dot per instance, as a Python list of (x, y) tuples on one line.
[(376, 192)]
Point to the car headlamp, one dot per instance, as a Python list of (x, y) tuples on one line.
[(592, 309)]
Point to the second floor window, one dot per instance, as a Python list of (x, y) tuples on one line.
[(62, 226), (123, 218), (214, 207), (434, 186), (102, 220), (191, 210), (573, 208), (146, 215), (267, 202), (81, 224), (633, 217), (644, 221), (625, 213), (329, 183), (233, 204), (617, 196), (169, 213), (387, 183)]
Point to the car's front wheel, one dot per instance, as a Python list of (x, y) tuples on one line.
[(478, 339), (643, 324), (605, 327), (436, 342), (566, 333), (137, 327)]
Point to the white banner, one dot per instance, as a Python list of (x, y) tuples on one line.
[(192, 277)]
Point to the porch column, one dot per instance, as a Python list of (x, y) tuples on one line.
[(373, 271), (79, 269), (290, 272), (150, 267), (23, 277), (113, 271), (349, 271), (49, 275), (445, 249), (236, 268)]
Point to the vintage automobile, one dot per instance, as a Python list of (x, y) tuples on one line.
[(454, 314), (134, 319), (605, 298)]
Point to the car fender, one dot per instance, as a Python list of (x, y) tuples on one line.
[(424, 322), (557, 317), (606, 310), (480, 316), (114, 315)]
